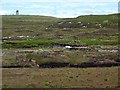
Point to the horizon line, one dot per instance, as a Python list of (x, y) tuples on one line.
[(55, 16)]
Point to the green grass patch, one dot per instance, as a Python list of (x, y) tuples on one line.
[(49, 43)]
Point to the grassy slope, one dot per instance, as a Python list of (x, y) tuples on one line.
[(11, 24), (35, 26)]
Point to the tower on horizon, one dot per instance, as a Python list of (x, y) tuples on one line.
[(17, 12)]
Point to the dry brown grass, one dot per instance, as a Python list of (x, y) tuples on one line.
[(60, 77)]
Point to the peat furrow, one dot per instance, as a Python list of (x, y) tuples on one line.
[(61, 65)]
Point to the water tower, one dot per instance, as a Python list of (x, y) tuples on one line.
[(17, 12)]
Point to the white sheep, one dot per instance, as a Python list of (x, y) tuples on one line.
[(68, 47), (84, 26), (79, 22)]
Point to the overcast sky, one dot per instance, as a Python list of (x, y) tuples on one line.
[(59, 8)]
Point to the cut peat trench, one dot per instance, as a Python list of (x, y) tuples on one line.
[(62, 65), (14, 67)]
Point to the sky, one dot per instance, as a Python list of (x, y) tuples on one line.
[(59, 8)]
